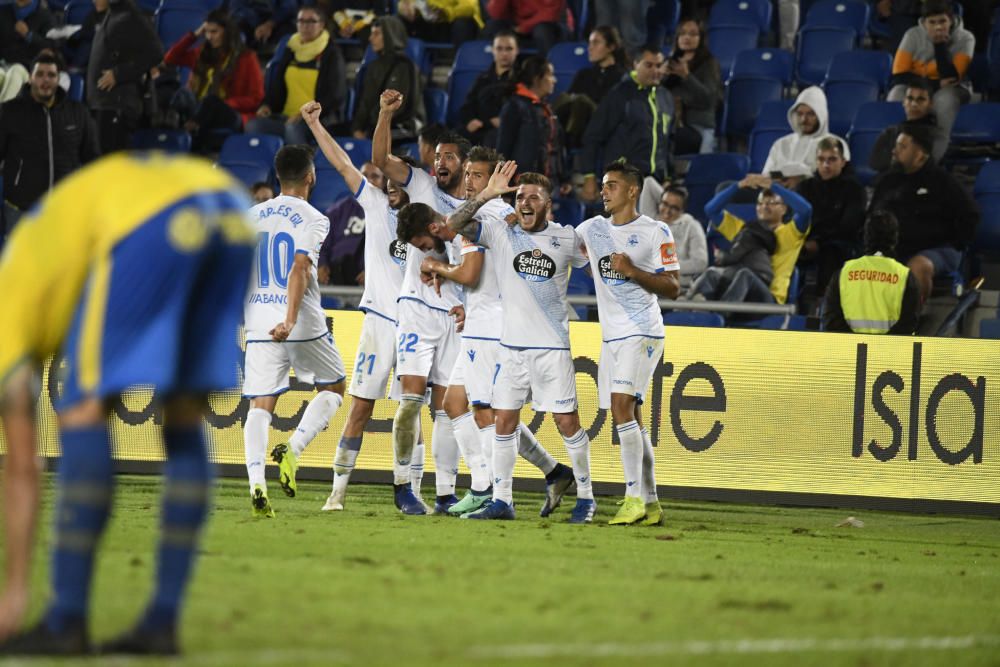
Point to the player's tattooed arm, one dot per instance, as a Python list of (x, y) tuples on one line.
[(461, 220)]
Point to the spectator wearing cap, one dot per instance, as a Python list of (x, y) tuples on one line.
[(937, 218)]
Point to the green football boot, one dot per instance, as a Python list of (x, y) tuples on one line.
[(261, 505), (630, 511), (471, 502), (287, 466), (654, 514)]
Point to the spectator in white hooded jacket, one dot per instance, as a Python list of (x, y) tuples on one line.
[(810, 121)]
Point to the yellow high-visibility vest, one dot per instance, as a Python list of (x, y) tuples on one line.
[(871, 293)]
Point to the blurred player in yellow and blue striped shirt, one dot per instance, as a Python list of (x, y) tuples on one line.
[(135, 268)]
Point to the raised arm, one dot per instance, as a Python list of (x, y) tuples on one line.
[(311, 113), (801, 209), (714, 207), (382, 157), (460, 221)]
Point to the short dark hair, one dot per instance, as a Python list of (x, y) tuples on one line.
[(450, 137), (485, 154), (261, 184), (531, 69), (935, 7), (881, 233), (293, 163), (48, 57), (534, 178), (629, 171), (646, 48), (414, 220), (677, 190), (920, 83), (506, 32), (921, 136), (410, 160), (831, 143), (431, 133)]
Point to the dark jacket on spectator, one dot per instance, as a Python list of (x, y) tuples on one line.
[(80, 44), (251, 13), (391, 69), (331, 84), (932, 208), (752, 249), (244, 87), (39, 145), (526, 14), (125, 43), (625, 125), (881, 156), (699, 94), (530, 135), (595, 81), (17, 49), (838, 206), (487, 96)]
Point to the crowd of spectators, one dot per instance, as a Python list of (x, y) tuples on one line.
[(649, 94)]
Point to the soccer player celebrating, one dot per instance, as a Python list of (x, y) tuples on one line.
[(285, 324), (385, 261), (478, 362), (135, 291), (633, 261), (426, 334), (534, 257)]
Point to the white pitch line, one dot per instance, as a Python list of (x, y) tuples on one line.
[(737, 646)]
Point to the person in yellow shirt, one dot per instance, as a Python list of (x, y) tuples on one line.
[(455, 21), (134, 269), (874, 293)]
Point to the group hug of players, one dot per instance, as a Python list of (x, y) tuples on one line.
[(464, 302)]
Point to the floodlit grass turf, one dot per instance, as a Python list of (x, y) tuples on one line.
[(369, 586)]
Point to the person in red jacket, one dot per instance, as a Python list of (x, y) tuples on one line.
[(543, 22), (226, 85)]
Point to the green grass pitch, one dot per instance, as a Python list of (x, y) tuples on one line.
[(718, 584)]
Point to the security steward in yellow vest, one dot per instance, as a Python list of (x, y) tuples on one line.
[(874, 294)]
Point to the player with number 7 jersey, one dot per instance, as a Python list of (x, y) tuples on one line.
[(285, 325)]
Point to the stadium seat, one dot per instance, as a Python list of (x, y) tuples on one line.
[(987, 192), (250, 149), (248, 174), (726, 41), (844, 98), (436, 104), (330, 185), (861, 142), (567, 211), (743, 99), (774, 116), (741, 12), (474, 56), (993, 54), (567, 59), (580, 9), (411, 148), (662, 17), (359, 150), (851, 14), (760, 146), (580, 283), (988, 179), (76, 11), (459, 84), (771, 63), (779, 322), (416, 50), (861, 65), (172, 141), (977, 124), (815, 48), (878, 116), (705, 173), (693, 318), (174, 20), (77, 86)]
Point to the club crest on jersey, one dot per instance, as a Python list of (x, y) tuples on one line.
[(397, 250), (534, 266), (609, 275), (633, 241), (554, 242), (649, 351), (472, 355)]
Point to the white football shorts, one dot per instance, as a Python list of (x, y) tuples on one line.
[(375, 360), (627, 367), (476, 369), (426, 342), (267, 364), (547, 376)]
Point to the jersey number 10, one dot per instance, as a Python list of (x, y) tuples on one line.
[(274, 258)]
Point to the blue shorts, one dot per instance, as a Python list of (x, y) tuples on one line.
[(161, 309), (946, 260)]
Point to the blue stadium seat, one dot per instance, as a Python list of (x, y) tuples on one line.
[(77, 86), (174, 20), (987, 192), (774, 116), (330, 185), (416, 50), (567, 59), (250, 149), (861, 142), (567, 211), (779, 322), (988, 179), (741, 12), (878, 116), (436, 104), (977, 124), (839, 14), (76, 11), (359, 150), (248, 174), (743, 100), (815, 48), (726, 41), (844, 98), (411, 148), (172, 141), (474, 56), (580, 282), (760, 146), (662, 17), (705, 173), (459, 84), (693, 318), (861, 65), (993, 53), (772, 63)]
